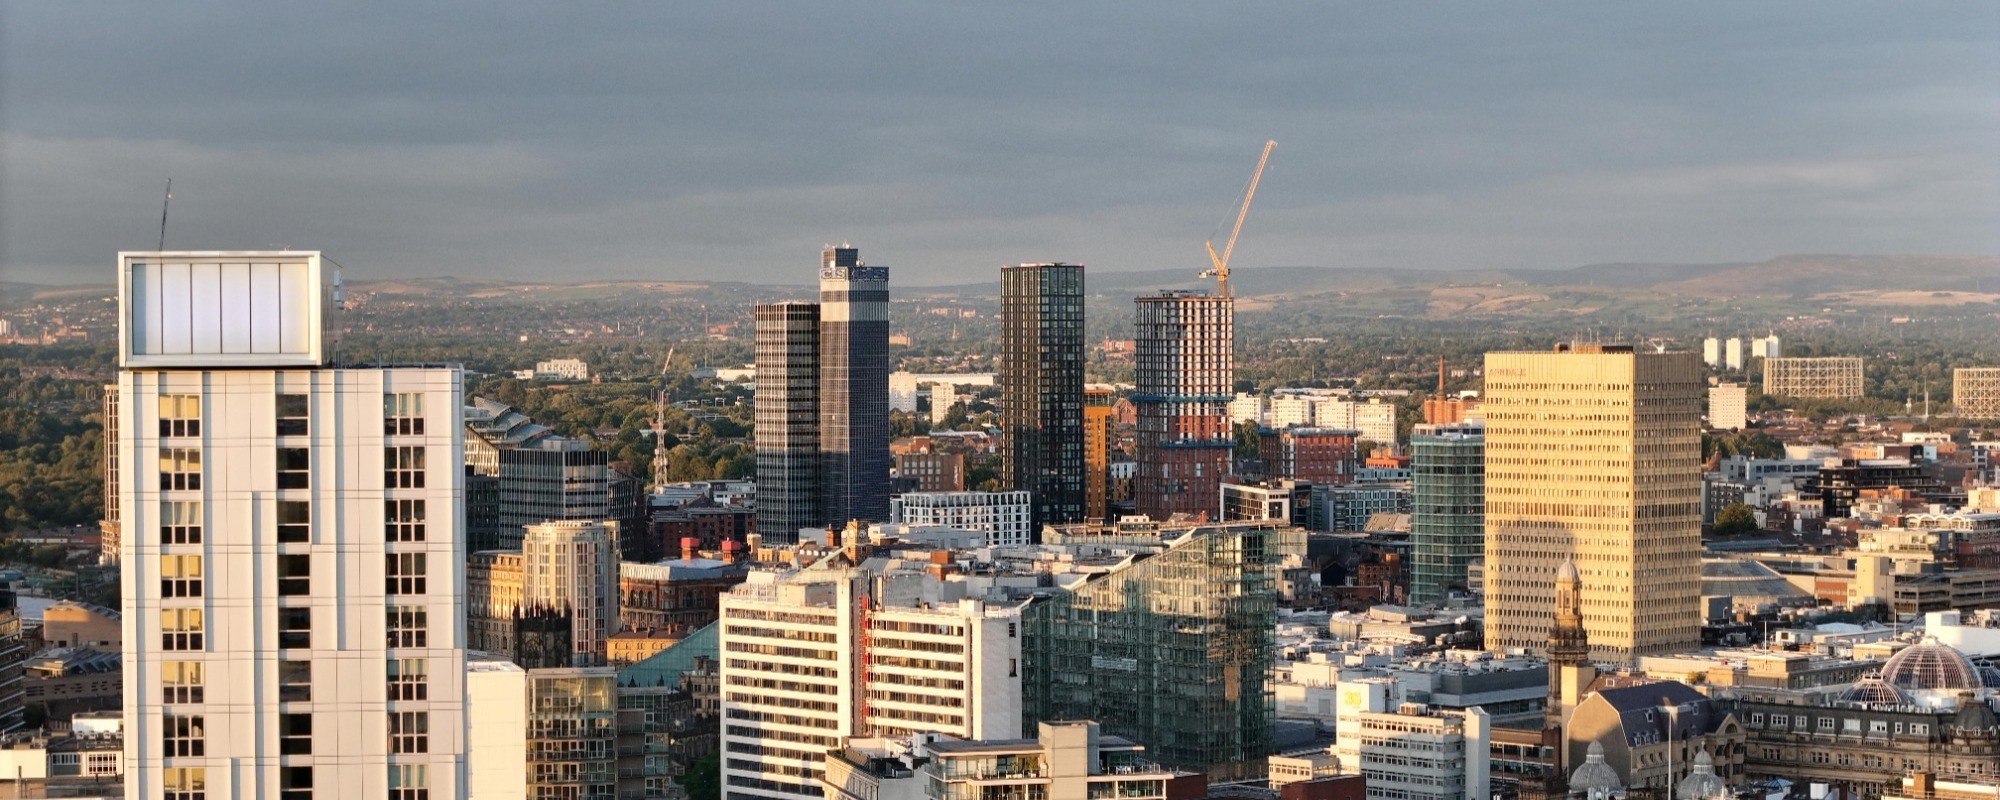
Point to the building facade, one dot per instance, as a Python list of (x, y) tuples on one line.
[(787, 415), (292, 619), (1319, 456), (1593, 452), (572, 567), (1728, 407), (1174, 649), (1006, 517), (853, 388), (1837, 377), (1096, 451), (1041, 387), (1447, 508), (1975, 392), (812, 656), (1186, 375)]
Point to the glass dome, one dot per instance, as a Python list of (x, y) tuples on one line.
[(1871, 691), (1931, 667)]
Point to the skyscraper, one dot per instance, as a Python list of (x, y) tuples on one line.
[(1041, 387), (788, 492), (1593, 453), (291, 541), (1185, 379), (853, 388), (1447, 507)]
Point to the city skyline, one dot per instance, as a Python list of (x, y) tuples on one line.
[(674, 144)]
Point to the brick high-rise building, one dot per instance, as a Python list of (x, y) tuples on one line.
[(1593, 453), (1041, 387), (1185, 379), (1319, 456), (1096, 452)]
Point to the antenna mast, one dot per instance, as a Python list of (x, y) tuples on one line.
[(163, 214)]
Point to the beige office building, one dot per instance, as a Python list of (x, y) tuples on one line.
[(1975, 392), (1833, 377), (1593, 452)]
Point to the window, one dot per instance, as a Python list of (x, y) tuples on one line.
[(180, 522), (295, 679), (404, 467), (180, 629), (409, 782), (409, 732), (1757, 720), (180, 681), (294, 521), (180, 735), (180, 576), (1819, 756), (295, 783), (405, 520), (180, 469), (294, 574), (295, 628), (1826, 723), (295, 734), (180, 415), (407, 626), (403, 414), (184, 783), (405, 573), (292, 414), (409, 679), (294, 468)]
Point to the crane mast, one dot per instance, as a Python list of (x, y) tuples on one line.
[(1219, 264)]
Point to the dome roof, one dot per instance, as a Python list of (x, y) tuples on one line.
[(1872, 691), (1701, 783), (1594, 774), (1930, 666)]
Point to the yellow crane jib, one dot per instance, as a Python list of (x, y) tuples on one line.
[(1219, 264)]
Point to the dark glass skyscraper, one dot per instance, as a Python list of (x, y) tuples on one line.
[(853, 388), (1041, 386), (1447, 508), (788, 491)]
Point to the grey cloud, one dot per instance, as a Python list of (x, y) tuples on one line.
[(673, 140)]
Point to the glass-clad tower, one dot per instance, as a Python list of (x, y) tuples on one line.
[(1447, 507), (1041, 387)]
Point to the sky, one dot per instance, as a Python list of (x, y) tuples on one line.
[(731, 140)]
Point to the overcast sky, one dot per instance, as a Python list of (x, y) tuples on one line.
[(730, 140)]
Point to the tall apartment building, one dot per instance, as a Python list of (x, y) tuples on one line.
[(813, 656), (1096, 452), (1185, 378), (1711, 352), (1006, 517), (1373, 420), (1728, 407), (572, 567), (1172, 650), (1447, 507), (1975, 392), (1041, 387), (853, 388), (292, 624), (1834, 376), (787, 395), (1593, 452)]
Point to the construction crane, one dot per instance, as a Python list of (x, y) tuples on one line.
[(1219, 264)]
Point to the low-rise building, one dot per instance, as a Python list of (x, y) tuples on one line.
[(1065, 761), (1005, 517)]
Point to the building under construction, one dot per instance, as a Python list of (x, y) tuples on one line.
[(1186, 376), (1171, 650)]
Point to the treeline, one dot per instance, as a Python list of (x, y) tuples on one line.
[(51, 441)]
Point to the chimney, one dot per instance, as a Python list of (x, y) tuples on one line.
[(732, 550), (688, 545)]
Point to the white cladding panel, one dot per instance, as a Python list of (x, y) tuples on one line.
[(220, 309)]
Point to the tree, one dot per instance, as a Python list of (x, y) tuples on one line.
[(1735, 518), (703, 780)]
